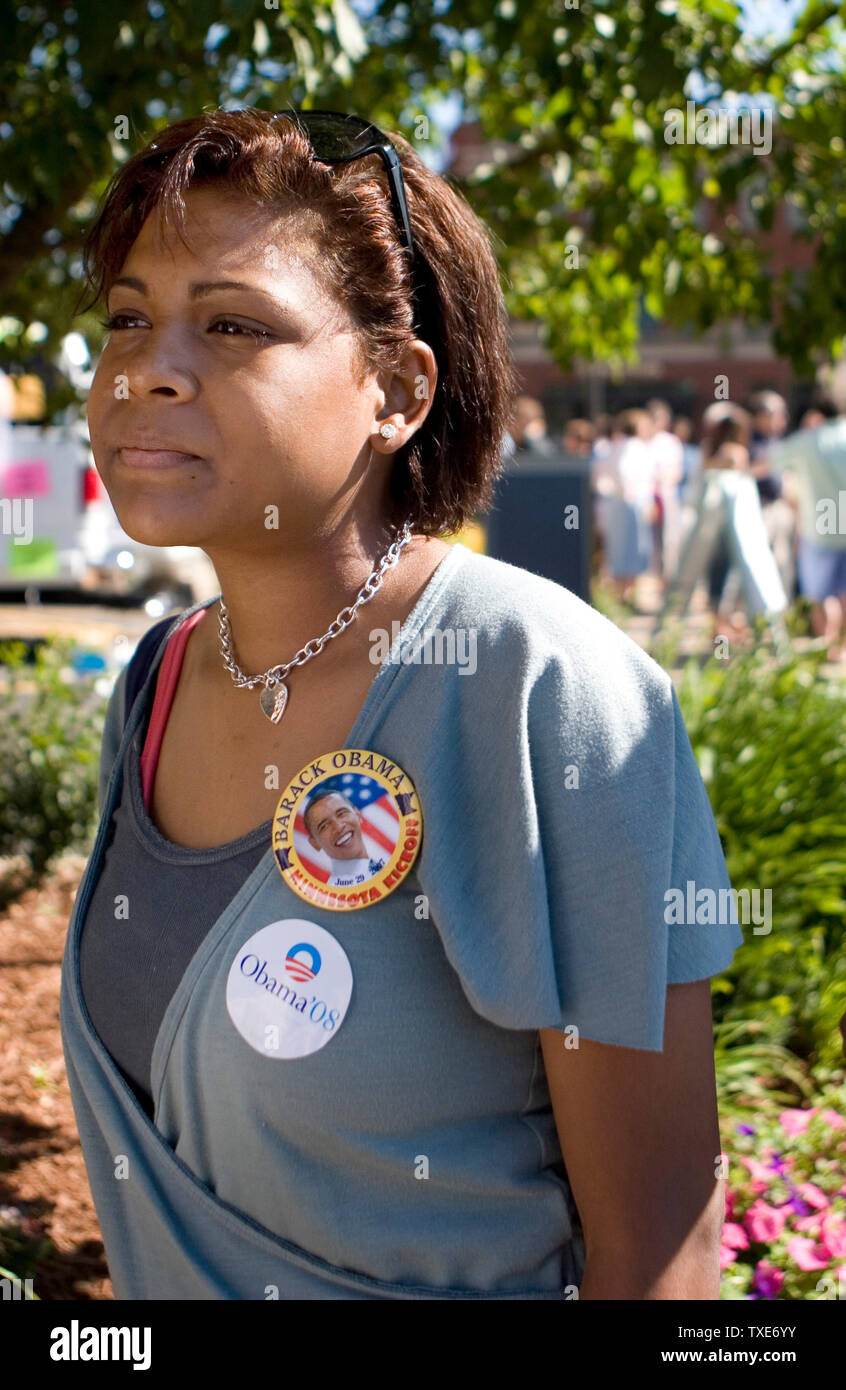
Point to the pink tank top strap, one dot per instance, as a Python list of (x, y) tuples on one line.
[(166, 683)]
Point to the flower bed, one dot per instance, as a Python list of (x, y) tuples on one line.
[(784, 1234)]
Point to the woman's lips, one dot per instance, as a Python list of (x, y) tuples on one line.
[(154, 458)]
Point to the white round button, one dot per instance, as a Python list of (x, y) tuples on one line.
[(289, 988)]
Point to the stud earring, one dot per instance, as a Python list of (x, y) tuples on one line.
[(388, 430)]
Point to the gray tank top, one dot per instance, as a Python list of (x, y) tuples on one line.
[(152, 907)]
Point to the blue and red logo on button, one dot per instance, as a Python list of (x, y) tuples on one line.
[(299, 969)]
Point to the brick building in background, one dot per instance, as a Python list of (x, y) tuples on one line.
[(680, 366)]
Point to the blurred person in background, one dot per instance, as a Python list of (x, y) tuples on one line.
[(603, 429), (577, 456), (685, 431), (528, 428), (578, 438), (813, 418), (816, 462), (770, 421), (668, 462), (577, 442), (728, 529), (624, 480), (691, 455), (603, 484), (726, 437)]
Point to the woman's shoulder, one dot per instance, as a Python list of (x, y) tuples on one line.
[(528, 626)]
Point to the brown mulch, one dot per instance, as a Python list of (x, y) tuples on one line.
[(42, 1173)]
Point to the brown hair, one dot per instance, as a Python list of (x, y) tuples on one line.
[(731, 428), (631, 422), (444, 474), (580, 430)]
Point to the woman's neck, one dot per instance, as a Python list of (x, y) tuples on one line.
[(275, 610)]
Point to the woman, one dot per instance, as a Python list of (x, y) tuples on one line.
[(481, 1074), (810, 464), (667, 458), (691, 456), (724, 447), (624, 477), (726, 542)]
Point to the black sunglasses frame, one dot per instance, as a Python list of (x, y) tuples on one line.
[(355, 127)]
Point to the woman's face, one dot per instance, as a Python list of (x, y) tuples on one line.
[(254, 384)]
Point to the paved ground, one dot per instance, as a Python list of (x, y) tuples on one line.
[(695, 637), (641, 626), (87, 624)]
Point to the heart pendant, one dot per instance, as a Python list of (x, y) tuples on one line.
[(273, 700)]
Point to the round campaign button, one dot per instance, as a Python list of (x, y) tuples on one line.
[(289, 988), (347, 829)]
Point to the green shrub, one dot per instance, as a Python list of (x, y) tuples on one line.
[(751, 1071), (770, 740), (50, 739)]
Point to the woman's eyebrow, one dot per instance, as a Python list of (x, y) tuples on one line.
[(199, 287)]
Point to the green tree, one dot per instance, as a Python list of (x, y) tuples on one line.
[(595, 215)]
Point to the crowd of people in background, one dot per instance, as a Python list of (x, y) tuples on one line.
[(740, 503)]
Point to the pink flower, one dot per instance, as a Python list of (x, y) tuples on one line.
[(814, 1196), (730, 1204), (760, 1172), (735, 1236), (834, 1235), (763, 1222), (727, 1256), (806, 1254), (832, 1118), (811, 1223), (796, 1121), (768, 1280)]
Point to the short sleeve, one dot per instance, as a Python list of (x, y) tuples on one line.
[(571, 857), (633, 862)]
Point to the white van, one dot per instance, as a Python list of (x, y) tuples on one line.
[(59, 533)]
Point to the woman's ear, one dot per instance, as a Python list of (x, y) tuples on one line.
[(408, 397)]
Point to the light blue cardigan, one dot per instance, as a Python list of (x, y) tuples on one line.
[(416, 1155)]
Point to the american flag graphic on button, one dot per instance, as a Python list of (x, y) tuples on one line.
[(347, 830)]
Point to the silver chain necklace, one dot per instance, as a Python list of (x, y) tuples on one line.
[(274, 696)]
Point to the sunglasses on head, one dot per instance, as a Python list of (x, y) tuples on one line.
[(339, 138)]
